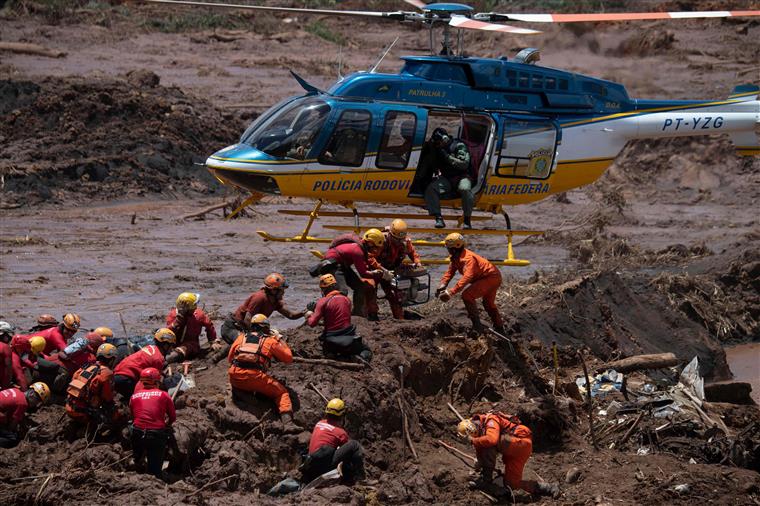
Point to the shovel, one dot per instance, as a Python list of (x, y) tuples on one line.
[(189, 378)]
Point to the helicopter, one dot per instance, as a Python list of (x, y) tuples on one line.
[(532, 131)]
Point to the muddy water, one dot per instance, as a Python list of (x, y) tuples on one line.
[(744, 361)]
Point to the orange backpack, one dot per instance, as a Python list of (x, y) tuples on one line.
[(512, 425), (249, 353), (79, 386)]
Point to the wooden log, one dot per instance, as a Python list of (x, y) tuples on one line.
[(639, 362), (206, 210), (34, 49), (331, 363)]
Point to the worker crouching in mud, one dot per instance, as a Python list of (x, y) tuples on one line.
[(152, 416), (13, 406), (250, 357), (127, 373), (187, 321), (339, 335), (331, 447), (492, 434)]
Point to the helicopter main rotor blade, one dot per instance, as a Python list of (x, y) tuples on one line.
[(615, 16), (458, 21), (391, 15), (417, 3)]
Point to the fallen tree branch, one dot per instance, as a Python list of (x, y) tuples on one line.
[(204, 487), (35, 49), (207, 210), (332, 363), (638, 362), (630, 430), (456, 450), (406, 429), (314, 387), (452, 408), (590, 402)]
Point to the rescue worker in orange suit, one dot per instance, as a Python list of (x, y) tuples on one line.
[(13, 406), (6, 355), (265, 301), (347, 254), (152, 416), (187, 321), (492, 434), (330, 446), (55, 337), (90, 392), (24, 359), (483, 278), (339, 334), (250, 357), (396, 248), (57, 369), (127, 372)]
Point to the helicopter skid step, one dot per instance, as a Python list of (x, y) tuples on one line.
[(296, 238), (510, 262), (428, 230), (349, 214)]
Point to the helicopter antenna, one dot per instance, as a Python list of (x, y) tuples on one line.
[(340, 62), (382, 56)]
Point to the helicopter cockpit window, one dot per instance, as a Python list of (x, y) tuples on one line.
[(398, 140), (528, 149), (349, 139), (291, 132)]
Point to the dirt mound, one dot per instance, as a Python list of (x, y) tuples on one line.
[(77, 139), (646, 43)]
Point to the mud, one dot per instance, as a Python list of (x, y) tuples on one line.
[(97, 162)]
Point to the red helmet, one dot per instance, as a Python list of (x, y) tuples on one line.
[(94, 340), (150, 376), (275, 280)]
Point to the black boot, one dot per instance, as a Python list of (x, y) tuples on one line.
[(477, 326), (439, 223), (467, 225)]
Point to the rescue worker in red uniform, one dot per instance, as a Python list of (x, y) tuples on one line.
[(348, 253), (57, 369), (339, 334), (483, 278), (153, 414), (127, 372), (187, 321), (13, 406), (396, 248), (24, 359), (55, 337), (492, 434), (6, 355), (330, 446), (265, 301), (250, 357), (90, 392)]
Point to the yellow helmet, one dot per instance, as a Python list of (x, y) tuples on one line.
[(454, 240), (326, 280), (71, 321), (106, 350), (259, 319), (467, 428), (165, 336), (375, 237), (336, 407), (42, 390), (104, 331), (37, 344), (187, 301), (398, 229)]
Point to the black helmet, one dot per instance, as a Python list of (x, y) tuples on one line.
[(439, 135)]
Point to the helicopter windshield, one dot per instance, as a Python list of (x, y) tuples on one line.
[(291, 132)]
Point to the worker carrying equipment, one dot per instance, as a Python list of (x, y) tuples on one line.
[(399, 279), (496, 433), (13, 406), (339, 337), (483, 278), (267, 300), (152, 415), (187, 321), (127, 372), (330, 446), (90, 395), (346, 259), (250, 357)]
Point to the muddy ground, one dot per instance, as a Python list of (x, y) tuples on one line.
[(97, 159)]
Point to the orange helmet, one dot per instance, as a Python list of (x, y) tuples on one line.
[(46, 320), (71, 321), (94, 340), (104, 331), (165, 335), (275, 280), (326, 280), (454, 240), (398, 229)]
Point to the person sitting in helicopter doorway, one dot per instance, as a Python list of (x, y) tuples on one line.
[(453, 166)]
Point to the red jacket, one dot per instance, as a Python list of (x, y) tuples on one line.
[(472, 267), (132, 366), (152, 409), (326, 434), (191, 329), (13, 406), (19, 363), (73, 362), (260, 303), (348, 254), (54, 341), (6, 365), (335, 308)]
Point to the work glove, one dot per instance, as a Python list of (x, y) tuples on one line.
[(387, 275), (444, 296), (216, 346), (311, 306), (439, 290)]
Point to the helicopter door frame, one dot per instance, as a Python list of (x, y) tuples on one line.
[(537, 164)]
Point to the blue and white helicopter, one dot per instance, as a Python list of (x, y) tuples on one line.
[(532, 131)]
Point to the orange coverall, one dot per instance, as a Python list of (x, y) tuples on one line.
[(99, 393), (391, 256), (484, 280), (256, 379), (515, 443)]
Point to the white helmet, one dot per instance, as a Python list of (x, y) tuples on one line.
[(6, 328)]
